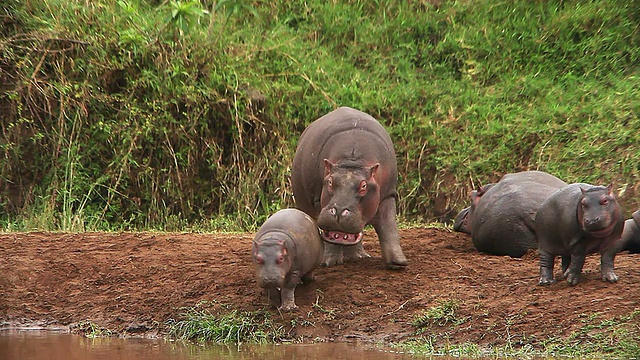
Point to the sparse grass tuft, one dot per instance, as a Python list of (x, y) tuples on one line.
[(442, 314), (232, 326)]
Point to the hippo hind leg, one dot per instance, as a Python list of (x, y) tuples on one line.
[(575, 268), (566, 261)]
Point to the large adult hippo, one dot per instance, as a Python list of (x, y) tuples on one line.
[(575, 221), (630, 238), (344, 174), (501, 216)]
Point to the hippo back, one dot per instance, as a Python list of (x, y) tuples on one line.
[(344, 134), (504, 216), (630, 239), (303, 239)]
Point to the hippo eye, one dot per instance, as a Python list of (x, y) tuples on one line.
[(259, 259), (330, 184), (604, 202), (280, 259), (363, 188)]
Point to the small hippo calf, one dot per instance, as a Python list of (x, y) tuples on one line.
[(286, 249), (577, 220)]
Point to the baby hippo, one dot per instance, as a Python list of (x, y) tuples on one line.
[(577, 220), (286, 249)]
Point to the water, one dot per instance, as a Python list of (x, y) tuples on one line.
[(51, 345)]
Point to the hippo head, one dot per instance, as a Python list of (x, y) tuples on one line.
[(598, 211), (271, 260), (349, 200), (464, 220)]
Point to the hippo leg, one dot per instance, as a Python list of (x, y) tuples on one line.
[(355, 252), (274, 297), (575, 268), (308, 277), (288, 300), (387, 230), (332, 255), (566, 261), (606, 267), (546, 268)]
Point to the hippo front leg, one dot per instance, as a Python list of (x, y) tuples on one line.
[(575, 269), (546, 268), (387, 230), (606, 266), (354, 252), (288, 298), (332, 255), (274, 297)]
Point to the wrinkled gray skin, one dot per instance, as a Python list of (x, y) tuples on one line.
[(630, 238), (501, 216), (285, 251), (575, 221), (344, 175)]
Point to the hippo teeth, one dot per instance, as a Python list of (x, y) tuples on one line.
[(341, 238)]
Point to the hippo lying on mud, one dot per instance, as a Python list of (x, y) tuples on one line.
[(344, 175), (577, 220), (501, 216), (630, 238), (286, 249)]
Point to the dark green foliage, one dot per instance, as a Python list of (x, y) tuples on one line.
[(184, 115)]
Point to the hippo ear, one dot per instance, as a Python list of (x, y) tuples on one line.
[(610, 189), (327, 167), (582, 190), (373, 170)]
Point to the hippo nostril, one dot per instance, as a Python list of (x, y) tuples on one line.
[(332, 211), (345, 212)]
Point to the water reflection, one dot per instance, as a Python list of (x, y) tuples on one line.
[(48, 345)]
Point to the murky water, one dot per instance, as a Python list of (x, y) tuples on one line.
[(51, 345)]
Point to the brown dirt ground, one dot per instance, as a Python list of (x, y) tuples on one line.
[(131, 283)]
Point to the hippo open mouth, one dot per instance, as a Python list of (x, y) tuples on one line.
[(341, 238)]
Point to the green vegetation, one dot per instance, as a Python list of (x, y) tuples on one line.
[(184, 115), (92, 330), (615, 338), (225, 326), (442, 314)]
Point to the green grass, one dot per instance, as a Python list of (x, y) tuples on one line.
[(445, 313), (125, 115), (615, 338), (227, 326)]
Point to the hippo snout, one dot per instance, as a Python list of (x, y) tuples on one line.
[(342, 213), (270, 281), (593, 223), (340, 218)]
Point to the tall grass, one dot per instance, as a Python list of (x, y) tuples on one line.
[(132, 114)]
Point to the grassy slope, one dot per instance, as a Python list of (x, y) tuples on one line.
[(129, 114)]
